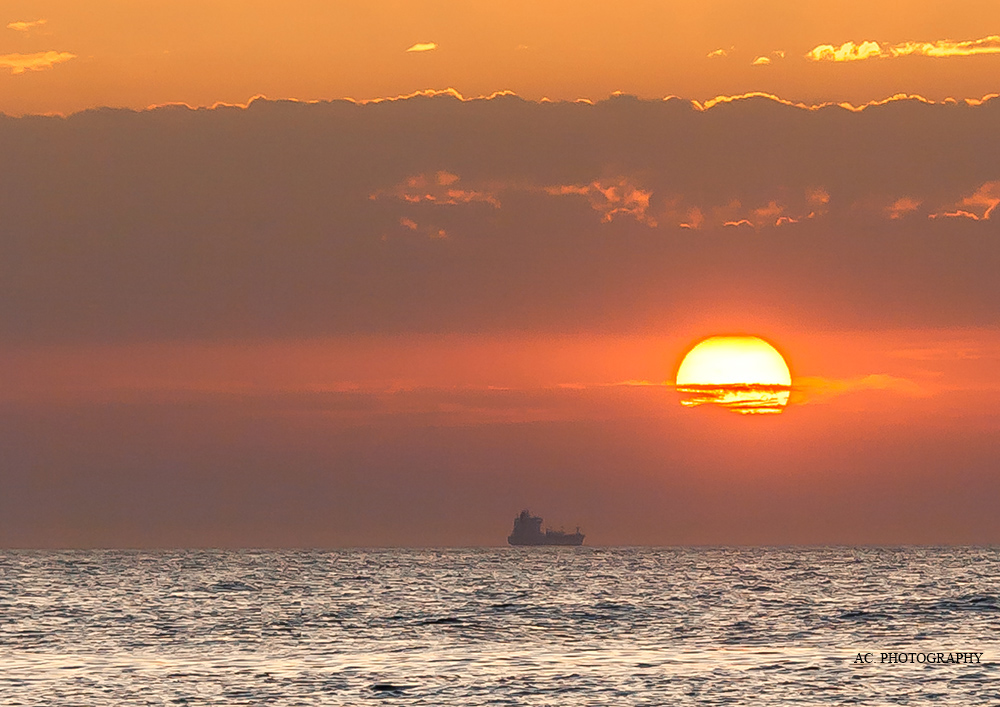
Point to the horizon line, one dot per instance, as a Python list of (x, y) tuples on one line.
[(512, 548)]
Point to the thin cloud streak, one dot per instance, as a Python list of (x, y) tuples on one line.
[(868, 49), (22, 26), (746, 399), (19, 63), (812, 389), (948, 48), (438, 188), (423, 47)]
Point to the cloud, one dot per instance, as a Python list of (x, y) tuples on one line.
[(948, 48), (694, 219), (980, 101), (770, 214), (565, 215), (423, 47), (901, 207), (717, 53), (818, 389), (768, 58), (978, 206), (944, 48), (19, 63), (848, 51), (611, 198), (431, 232), (896, 98), (963, 351), (774, 212), (623, 197), (437, 188), (746, 399), (818, 200), (720, 100), (23, 26)]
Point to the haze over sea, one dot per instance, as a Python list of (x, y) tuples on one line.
[(536, 626)]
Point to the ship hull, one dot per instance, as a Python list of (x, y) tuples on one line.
[(565, 541)]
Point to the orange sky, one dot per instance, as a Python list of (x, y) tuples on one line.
[(925, 363), (429, 440), (65, 56)]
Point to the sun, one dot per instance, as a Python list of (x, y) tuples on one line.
[(744, 374)]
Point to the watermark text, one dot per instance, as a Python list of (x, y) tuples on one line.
[(953, 657)]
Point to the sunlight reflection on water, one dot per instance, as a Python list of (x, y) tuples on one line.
[(569, 626)]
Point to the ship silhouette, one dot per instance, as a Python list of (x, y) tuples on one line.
[(528, 531)]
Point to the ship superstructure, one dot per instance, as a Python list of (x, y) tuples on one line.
[(528, 531)]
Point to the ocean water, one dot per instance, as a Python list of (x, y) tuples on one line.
[(512, 626)]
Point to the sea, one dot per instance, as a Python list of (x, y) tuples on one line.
[(501, 626)]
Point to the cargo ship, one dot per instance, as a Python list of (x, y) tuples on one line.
[(528, 531)]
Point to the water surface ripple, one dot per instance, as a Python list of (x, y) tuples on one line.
[(526, 626)]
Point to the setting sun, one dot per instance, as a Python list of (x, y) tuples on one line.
[(741, 373)]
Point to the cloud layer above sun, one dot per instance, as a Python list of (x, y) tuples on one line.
[(434, 213)]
